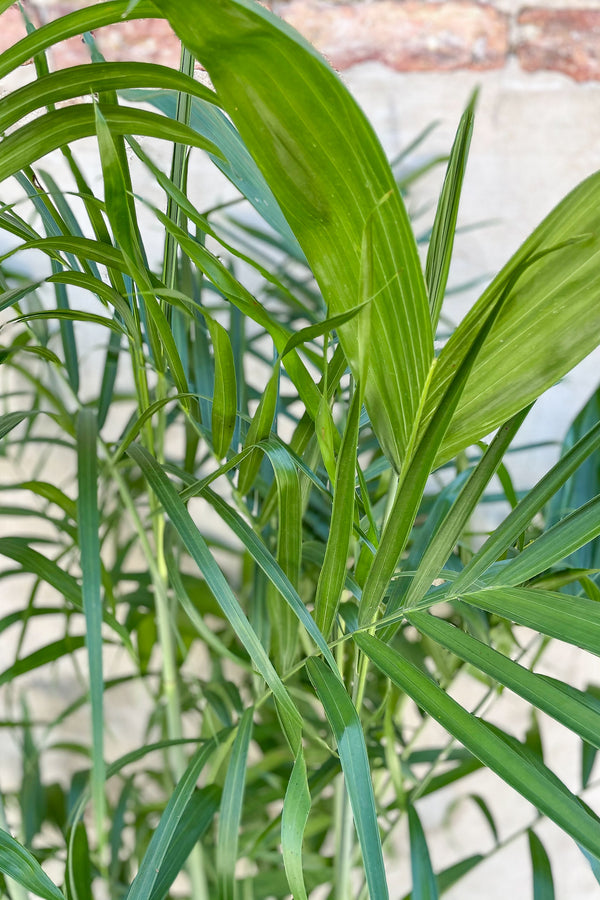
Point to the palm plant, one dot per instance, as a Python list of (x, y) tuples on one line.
[(338, 596)]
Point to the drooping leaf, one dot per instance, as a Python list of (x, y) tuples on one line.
[(19, 864), (521, 769), (328, 173), (551, 304)]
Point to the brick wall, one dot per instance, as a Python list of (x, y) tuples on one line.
[(405, 35)]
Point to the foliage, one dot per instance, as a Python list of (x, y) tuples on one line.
[(243, 508)]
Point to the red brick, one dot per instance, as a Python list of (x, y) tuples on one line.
[(562, 40), (143, 40), (407, 36), (12, 28)]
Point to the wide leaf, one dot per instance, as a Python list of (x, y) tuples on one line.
[(329, 175), (550, 322)]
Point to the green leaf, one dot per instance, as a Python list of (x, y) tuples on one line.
[(30, 560), (518, 520), (568, 535), (543, 885), (259, 552), (196, 817), (296, 807), (346, 727), (237, 164), (165, 836), (230, 813), (567, 707), (552, 304), (450, 530), (198, 550), (333, 572), (46, 654), (413, 479), (77, 81), (439, 253), (78, 871), (224, 407), (575, 620), (424, 882), (259, 430), (508, 759), (10, 420), (71, 25), (328, 173), (89, 542), (19, 864), (54, 129)]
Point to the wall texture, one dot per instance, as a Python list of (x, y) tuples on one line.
[(405, 35)]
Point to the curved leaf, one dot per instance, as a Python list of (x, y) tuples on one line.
[(550, 322), (63, 126), (19, 864), (329, 175)]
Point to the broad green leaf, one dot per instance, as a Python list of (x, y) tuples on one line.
[(19, 864), (568, 708), (198, 550), (551, 304), (424, 882), (345, 724), (328, 173), (516, 767), (543, 885), (230, 813), (88, 517), (296, 807)]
